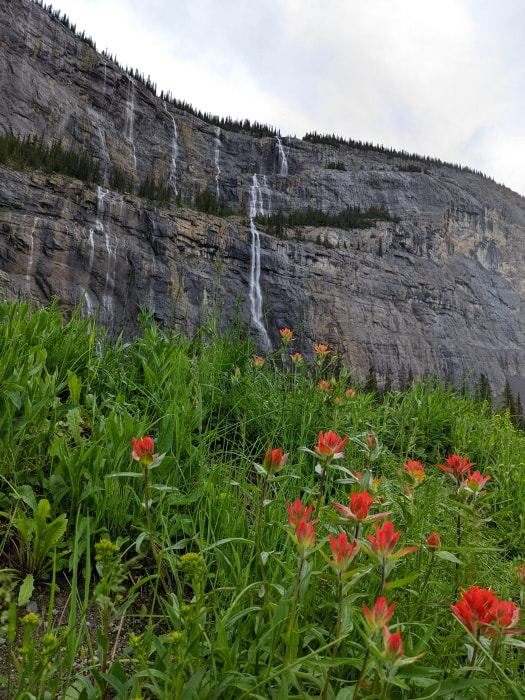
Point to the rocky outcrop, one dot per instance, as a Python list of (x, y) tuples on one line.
[(441, 290)]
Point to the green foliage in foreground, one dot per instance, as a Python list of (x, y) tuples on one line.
[(200, 587)]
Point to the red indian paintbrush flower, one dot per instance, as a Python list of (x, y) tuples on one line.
[(434, 541), (380, 613), (143, 450), (305, 534), (457, 466), (258, 362), (321, 350), (296, 358), (393, 644), (343, 552), (415, 469), (286, 336), (274, 460), (325, 386), (474, 482), (521, 573), (506, 615), (329, 445), (385, 541), (298, 512), (474, 610), (360, 504)]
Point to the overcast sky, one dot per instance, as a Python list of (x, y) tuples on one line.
[(444, 78)]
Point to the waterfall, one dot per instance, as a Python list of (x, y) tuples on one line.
[(174, 153), (255, 293), (217, 154), (29, 269), (86, 295), (130, 120), (282, 158), (111, 245)]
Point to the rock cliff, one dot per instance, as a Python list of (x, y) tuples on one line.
[(440, 289)]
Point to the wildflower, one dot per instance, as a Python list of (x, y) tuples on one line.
[(274, 460), (321, 351), (143, 450), (298, 512), (385, 541), (434, 541), (296, 358), (174, 638), (506, 615), (305, 534), (31, 619), (393, 644), (474, 610), (415, 470), (350, 393), (191, 563), (106, 551), (325, 386), (329, 445), (371, 441), (457, 466), (380, 613), (474, 482), (286, 336), (258, 362), (360, 504), (338, 400), (521, 573), (343, 552), (49, 643)]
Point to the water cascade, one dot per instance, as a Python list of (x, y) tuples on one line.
[(282, 158), (111, 245), (174, 153), (130, 120), (29, 271), (217, 154), (255, 293), (86, 294)]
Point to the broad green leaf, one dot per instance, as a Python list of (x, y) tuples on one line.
[(26, 590)]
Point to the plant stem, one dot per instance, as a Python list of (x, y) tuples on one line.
[(337, 631), (321, 484), (259, 528), (150, 531), (291, 619), (361, 674)]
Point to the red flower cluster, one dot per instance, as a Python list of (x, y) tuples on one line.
[(415, 470), (360, 504), (484, 614), (286, 336), (385, 540), (274, 460), (343, 552), (321, 351), (456, 466), (298, 519), (329, 445), (143, 450)]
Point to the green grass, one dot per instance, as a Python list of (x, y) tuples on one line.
[(254, 616)]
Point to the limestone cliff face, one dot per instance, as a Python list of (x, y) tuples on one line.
[(442, 290)]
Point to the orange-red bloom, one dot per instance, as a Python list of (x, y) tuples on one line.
[(325, 386), (434, 541), (143, 450), (385, 541), (506, 616), (380, 613), (274, 460), (350, 393), (296, 358), (474, 482), (360, 504), (329, 445), (474, 610), (343, 552), (521, 573), (258, 361), (393, 644), (305, 534), (286, 336), (415, 469), (457, 466), (298, 512), (321, 351)]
